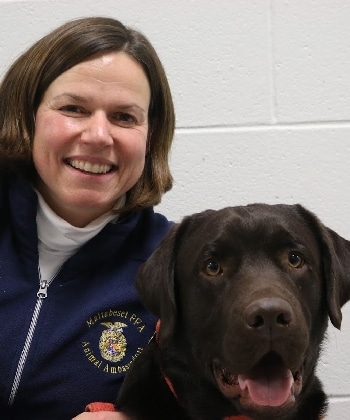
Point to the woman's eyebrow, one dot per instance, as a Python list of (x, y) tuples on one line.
[(83, 99), (131, 106), (72, 96)]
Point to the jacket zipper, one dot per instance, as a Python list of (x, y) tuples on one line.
[(41, 295)]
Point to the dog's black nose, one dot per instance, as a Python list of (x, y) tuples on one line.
[(269, 315)]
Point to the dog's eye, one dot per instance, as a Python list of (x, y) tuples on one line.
[(213, 268), (295, 260)]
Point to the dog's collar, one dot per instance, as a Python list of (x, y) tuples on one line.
[(171, 386)]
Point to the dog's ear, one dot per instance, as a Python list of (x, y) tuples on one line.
[(155, 284), (336, 263)]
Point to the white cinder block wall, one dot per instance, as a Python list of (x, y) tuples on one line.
[(262, 95)]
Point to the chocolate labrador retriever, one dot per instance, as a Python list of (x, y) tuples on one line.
[(243, 295)]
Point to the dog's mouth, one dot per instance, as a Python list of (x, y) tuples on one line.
[(270, 383)]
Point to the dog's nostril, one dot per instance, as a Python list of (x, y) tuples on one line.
[(256, 321), (268, 314), (284, 318)]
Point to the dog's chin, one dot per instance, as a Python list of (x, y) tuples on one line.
[(269, 389)]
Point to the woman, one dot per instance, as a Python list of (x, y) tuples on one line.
[(86, 125)]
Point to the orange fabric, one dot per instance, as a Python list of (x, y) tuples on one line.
[(99, 406), (103, 406)]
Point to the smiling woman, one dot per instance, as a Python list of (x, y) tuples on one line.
[(86, 125), (69, 48), (90, 136)]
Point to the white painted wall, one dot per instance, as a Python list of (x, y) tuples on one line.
[(262, 94)]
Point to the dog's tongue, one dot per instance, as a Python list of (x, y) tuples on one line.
[(269, 386)]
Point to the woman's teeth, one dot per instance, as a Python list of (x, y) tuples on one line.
[(93, 168)]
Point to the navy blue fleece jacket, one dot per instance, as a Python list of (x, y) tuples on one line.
[(59, 353)]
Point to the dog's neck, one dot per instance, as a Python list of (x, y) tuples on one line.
[(172, 389)]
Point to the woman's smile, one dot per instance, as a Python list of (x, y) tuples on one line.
[(89, 167)]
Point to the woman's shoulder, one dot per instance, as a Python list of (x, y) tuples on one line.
[(155, 222), (147, 228), (15, 186)]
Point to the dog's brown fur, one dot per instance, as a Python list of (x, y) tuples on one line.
[(243, 295)]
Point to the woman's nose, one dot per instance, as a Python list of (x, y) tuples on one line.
[(98, 129)]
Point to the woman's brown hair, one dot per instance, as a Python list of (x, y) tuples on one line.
[(30, 75)]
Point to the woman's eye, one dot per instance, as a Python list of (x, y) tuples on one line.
[(295, 260), (124, 119), (72, 109), (212, 268)]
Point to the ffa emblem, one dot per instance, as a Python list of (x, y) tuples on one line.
[(113, 342)]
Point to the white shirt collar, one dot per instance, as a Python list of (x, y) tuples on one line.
[(58, 240)]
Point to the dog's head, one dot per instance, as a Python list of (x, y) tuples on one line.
[(247, 290)]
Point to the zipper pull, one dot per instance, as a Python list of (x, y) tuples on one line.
[(42, 292)]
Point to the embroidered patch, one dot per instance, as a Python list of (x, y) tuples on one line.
[(114, 340)]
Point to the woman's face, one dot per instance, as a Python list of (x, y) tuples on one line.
[(91, 135)]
